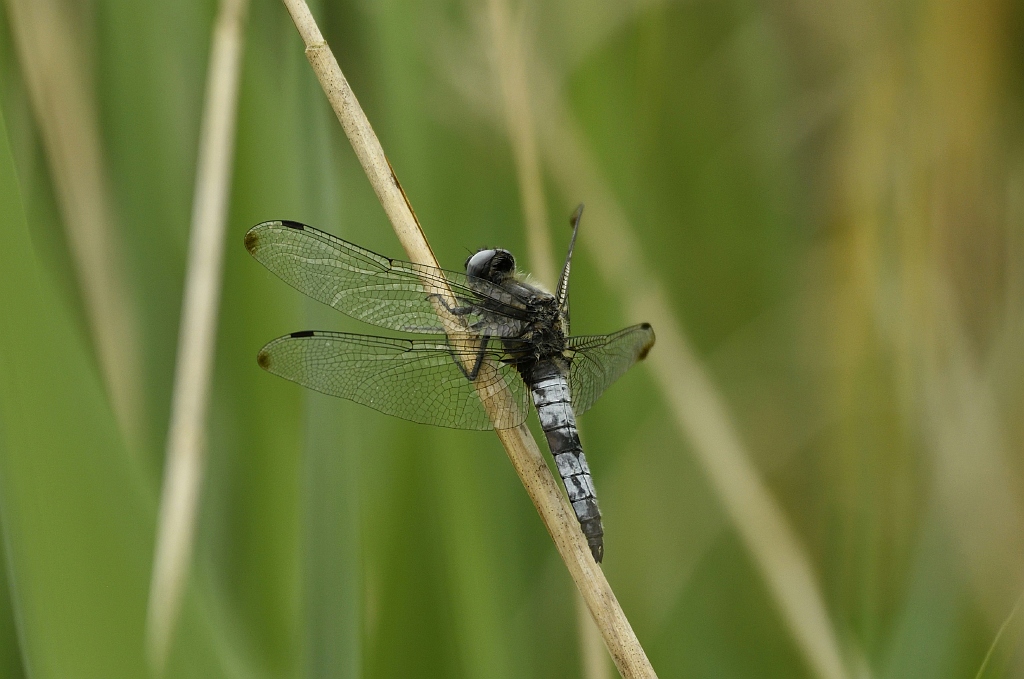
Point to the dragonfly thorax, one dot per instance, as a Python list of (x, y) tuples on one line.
[(541, 341)]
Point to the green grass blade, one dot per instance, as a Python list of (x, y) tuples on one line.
[(74, 517)]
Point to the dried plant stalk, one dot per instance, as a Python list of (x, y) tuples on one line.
[(57, 78), (179, 500), (699, 409), (509, 47), (508, 55), (519, 444)]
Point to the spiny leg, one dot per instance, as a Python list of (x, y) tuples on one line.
[(453, 310), (471, 375)]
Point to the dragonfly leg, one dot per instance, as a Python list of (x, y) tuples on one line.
[(454, 310), (471, 375)]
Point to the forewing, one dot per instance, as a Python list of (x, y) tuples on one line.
[(598, 360), (416, 380), (372, 288)]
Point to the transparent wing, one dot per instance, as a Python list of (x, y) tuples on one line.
[(372, 288), (416, 380), (598, 360)]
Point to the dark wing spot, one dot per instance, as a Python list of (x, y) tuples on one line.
[(263, 360), (303, 333), (647, 347), (293, 225), (252, 240)]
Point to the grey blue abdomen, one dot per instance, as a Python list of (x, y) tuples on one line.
[(554, 407)]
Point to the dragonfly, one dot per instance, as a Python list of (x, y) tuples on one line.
[(491, 340)]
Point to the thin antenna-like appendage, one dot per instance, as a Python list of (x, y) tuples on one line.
[(562, 293)]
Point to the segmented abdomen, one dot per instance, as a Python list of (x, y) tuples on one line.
[(554, 407)]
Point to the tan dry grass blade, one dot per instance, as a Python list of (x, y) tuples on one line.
[(593, 655), (699, 410), (522, 450), (973, 466), (999, 635), (954, 180), (508, 46), (179, 501), (507, 54), (54, 66), (938, 126)]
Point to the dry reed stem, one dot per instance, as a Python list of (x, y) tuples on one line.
[(593, 654), (65, 112), (508, 59), (698, 408), (963, 426), (522, 450), (940, 136), (186, 437), (955, 180), (507, 55), (999, 635)]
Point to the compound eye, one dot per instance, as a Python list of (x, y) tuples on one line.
[(478, 265), (503, 261)]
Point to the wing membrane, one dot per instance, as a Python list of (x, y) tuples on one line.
[(416, 380), (385, 292), (598, 360)]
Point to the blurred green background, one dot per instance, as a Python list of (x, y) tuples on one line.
[(831, 196)]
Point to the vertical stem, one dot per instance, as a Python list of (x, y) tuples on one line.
[(509, 60), (509, 53), (699, 409), (179, 501), (55, 72)]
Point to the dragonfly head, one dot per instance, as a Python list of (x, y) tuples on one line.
[(491, 265)]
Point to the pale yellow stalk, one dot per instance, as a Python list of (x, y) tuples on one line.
[(508, 47), (58, 82), (508, 58), (186, 437), (698, 408)]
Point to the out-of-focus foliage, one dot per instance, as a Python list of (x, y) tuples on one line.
[(832, 194)]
